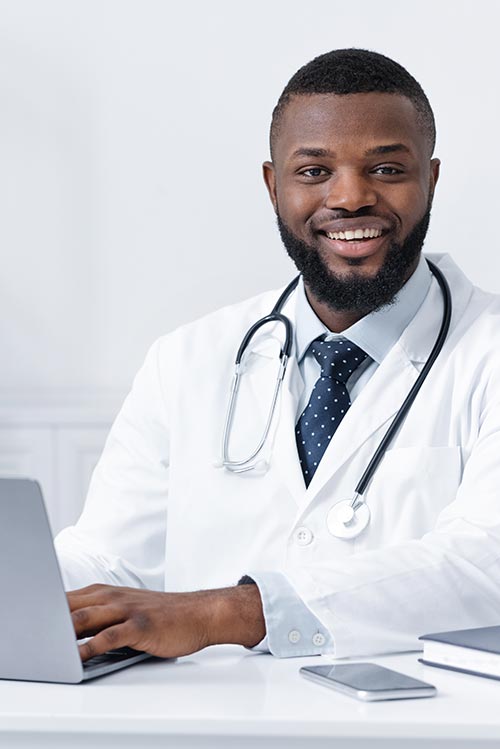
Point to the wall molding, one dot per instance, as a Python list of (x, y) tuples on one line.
[(56, 437), (59, 406)]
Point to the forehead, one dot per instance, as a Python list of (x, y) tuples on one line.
[(336, 122)]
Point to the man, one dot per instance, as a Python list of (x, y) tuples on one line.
[(351, 180)]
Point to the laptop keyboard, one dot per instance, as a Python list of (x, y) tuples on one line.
[(112, 656)]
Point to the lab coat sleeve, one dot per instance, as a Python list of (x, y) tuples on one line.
[(120, 536), (291, 628), (382, 600)]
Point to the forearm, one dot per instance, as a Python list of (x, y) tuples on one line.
[(234, 615)]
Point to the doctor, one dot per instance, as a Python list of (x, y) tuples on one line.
[(351, 179)]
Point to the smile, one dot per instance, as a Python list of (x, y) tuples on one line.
[(356, 243), (353, 234)]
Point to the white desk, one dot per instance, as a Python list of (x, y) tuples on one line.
[(226, 697)]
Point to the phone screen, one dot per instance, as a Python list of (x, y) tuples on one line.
[(367, 677)]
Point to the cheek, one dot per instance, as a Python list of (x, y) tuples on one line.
[(296, 206), (410, 205)]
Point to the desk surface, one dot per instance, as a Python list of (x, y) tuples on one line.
[(228, 697)]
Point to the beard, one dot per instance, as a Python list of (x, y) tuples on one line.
[(351, 292)]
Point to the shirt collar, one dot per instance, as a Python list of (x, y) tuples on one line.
[(375, 333)]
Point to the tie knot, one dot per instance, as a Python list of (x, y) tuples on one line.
[(337, 359)]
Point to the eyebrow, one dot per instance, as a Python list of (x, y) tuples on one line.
[(317, 152), (377, 151), (391, 148)]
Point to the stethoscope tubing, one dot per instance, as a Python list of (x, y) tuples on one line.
[(246, 464)]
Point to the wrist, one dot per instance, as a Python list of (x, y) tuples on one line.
[(236, 616)]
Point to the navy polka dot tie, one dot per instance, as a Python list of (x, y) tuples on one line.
[(329, 400)]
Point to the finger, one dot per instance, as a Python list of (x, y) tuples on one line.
[(117, 636), (92, 619), (91, 595)]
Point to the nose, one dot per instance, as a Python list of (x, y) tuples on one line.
[(351, 191)]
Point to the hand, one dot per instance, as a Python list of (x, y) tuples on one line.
[(165, 624)]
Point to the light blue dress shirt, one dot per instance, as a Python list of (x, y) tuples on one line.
[(292, 629)]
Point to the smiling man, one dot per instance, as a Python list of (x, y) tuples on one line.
[(351, 179)]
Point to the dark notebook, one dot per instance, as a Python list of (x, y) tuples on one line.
[(471, 651)]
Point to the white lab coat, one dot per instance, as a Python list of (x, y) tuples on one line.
[(161, 514)]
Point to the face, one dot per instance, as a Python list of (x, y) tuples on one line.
[(352, 182)]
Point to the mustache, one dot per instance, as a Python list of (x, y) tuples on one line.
[(337, 213), (340, 214)]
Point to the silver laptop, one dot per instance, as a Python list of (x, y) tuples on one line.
[(37, 639)]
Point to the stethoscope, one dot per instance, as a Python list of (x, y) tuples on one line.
[(348, 517)]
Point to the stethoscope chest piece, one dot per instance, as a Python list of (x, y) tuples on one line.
[(343, 521)]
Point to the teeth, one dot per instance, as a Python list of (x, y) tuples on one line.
[(351, 234)]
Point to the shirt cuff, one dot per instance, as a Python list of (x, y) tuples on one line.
[(292, 629)]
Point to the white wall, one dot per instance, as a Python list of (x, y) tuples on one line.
[(131, 138)]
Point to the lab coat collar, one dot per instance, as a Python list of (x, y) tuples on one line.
[(420, 335)]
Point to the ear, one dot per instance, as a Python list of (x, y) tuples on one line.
[(269, 175), (434, 175)]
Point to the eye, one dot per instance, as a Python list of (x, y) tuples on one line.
[(313, 172), (389, 171)]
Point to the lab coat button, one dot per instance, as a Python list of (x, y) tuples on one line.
[(303, 536), (319, 639), (294, 636)]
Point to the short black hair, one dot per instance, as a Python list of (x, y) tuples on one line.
[(355, 71)]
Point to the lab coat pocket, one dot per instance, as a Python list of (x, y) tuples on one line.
[(410, 488)]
